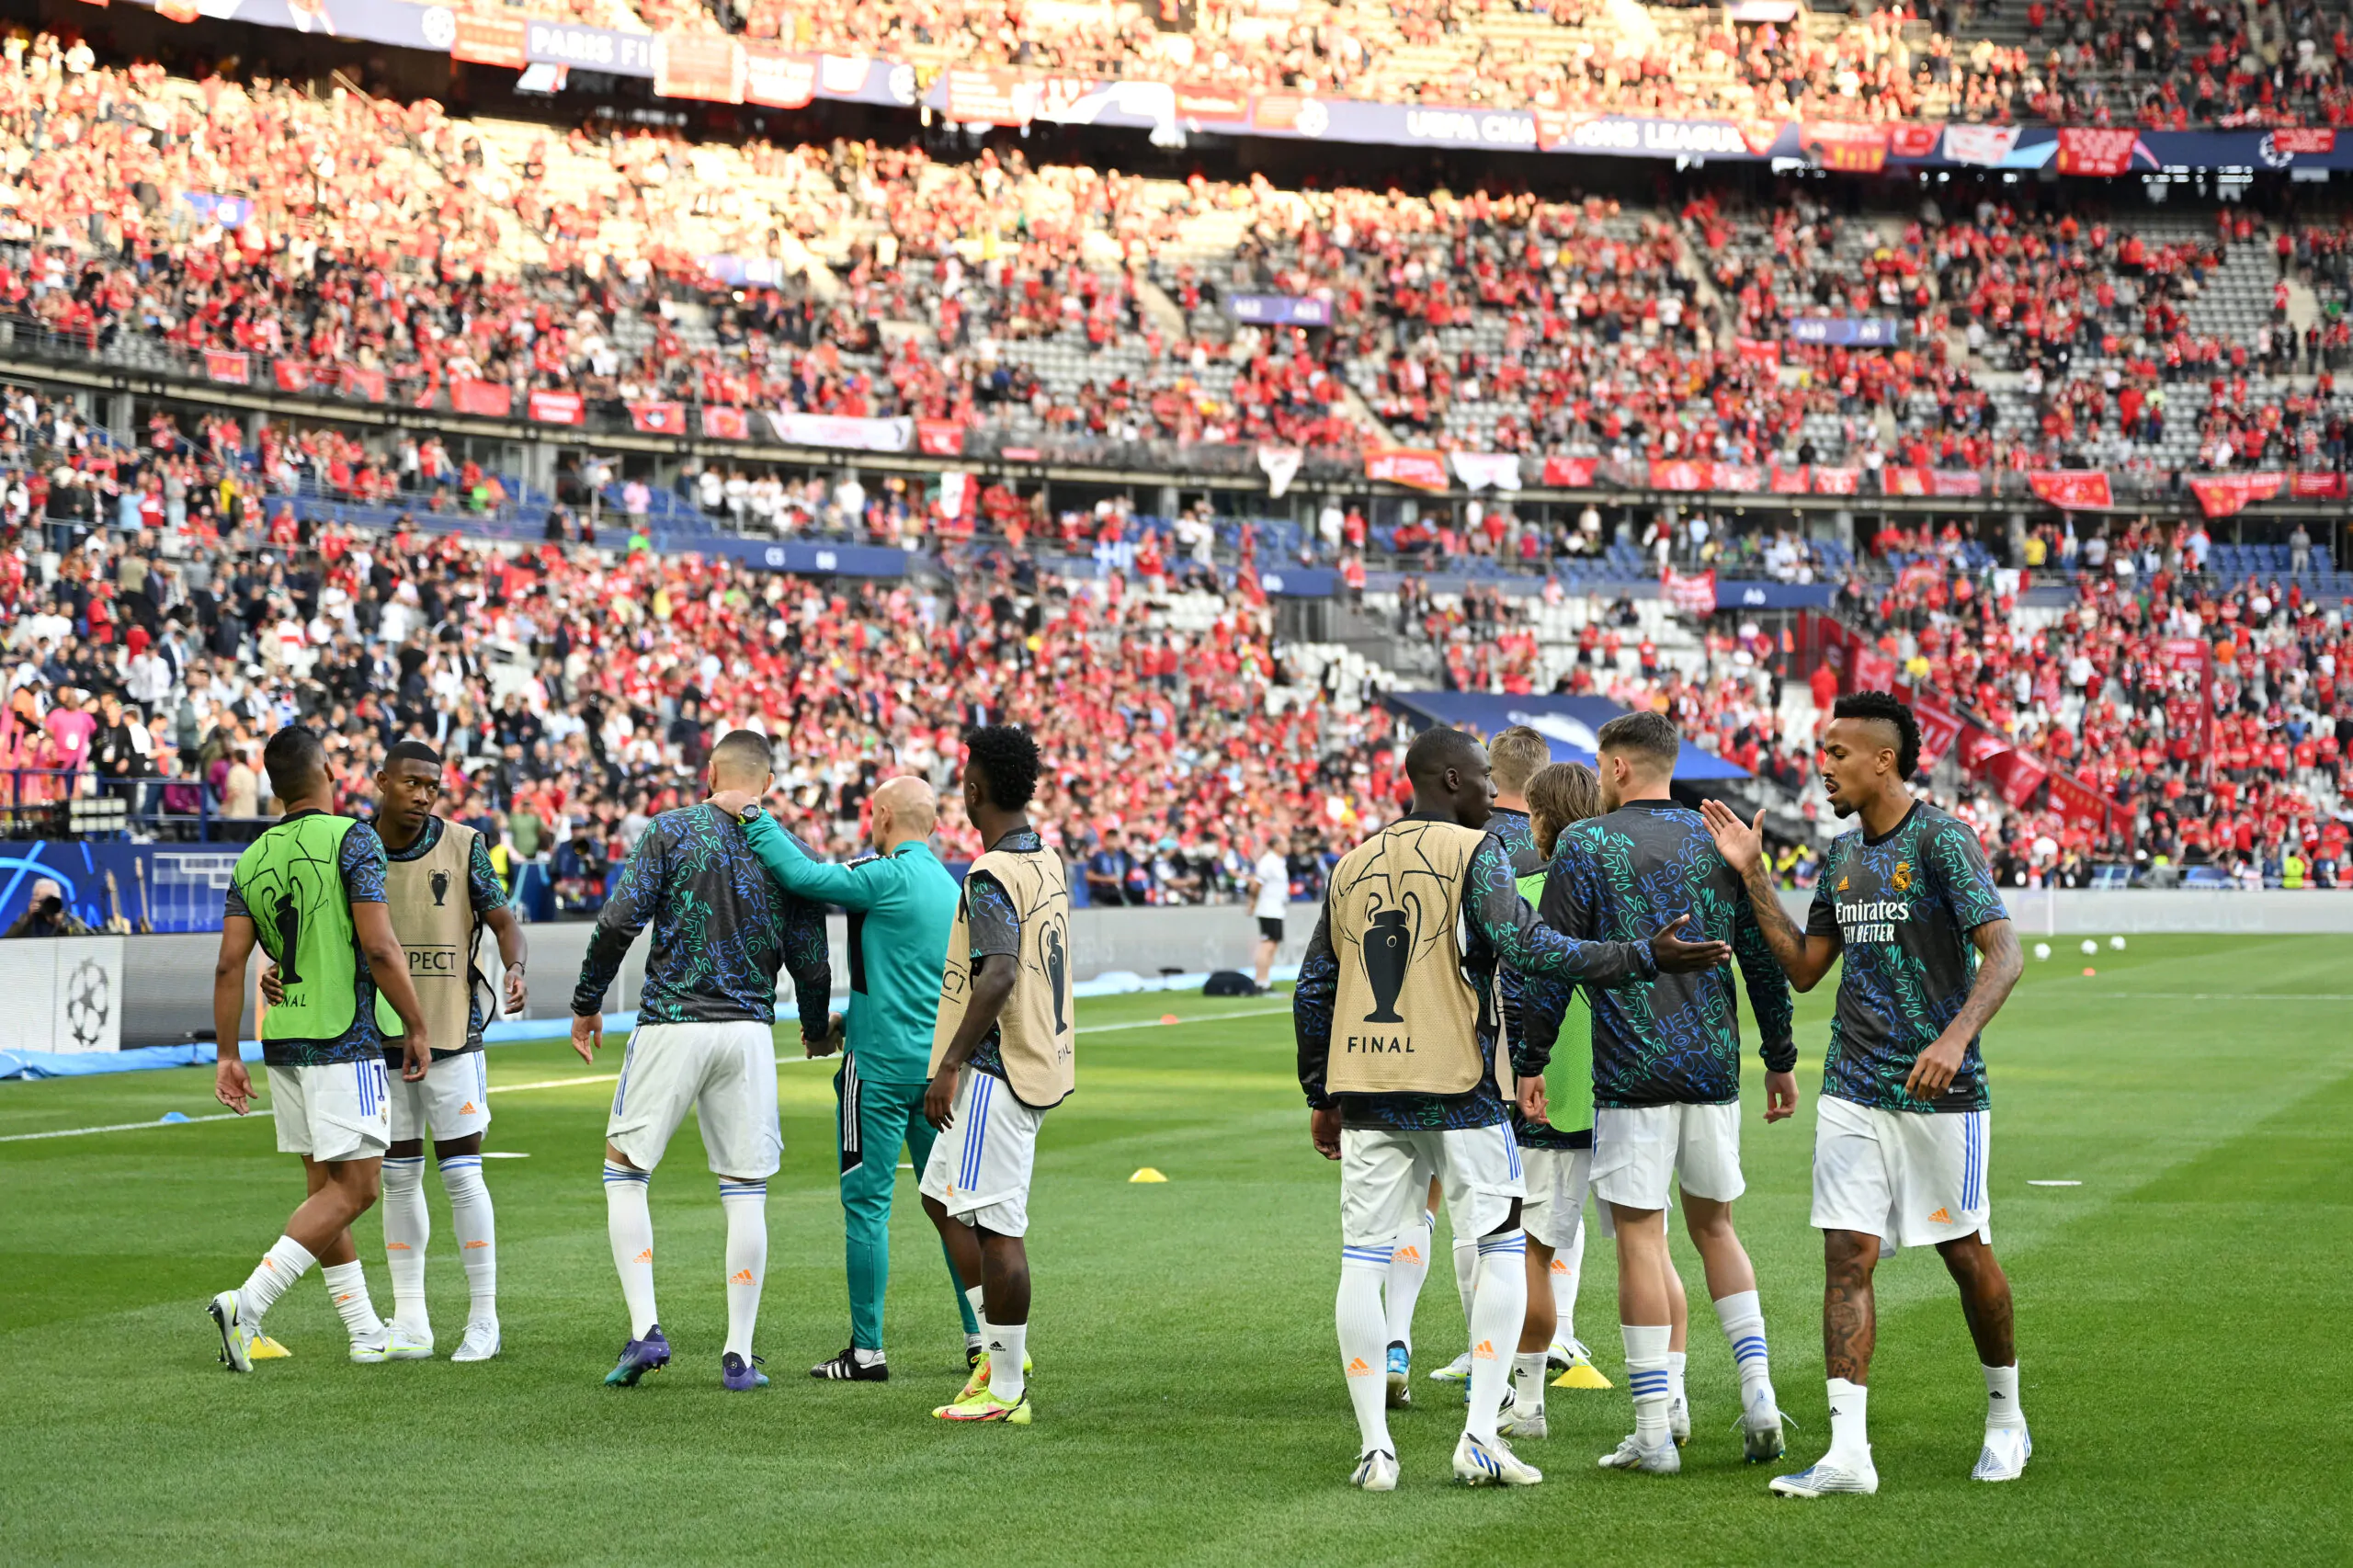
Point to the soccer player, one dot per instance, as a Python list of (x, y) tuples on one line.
[(704, 1040), (1900, 1140), (427, 859), (901, 902), (1556, 1148), (1002, 1056), (1666, 1078), (1396, 1022), (311, 892)]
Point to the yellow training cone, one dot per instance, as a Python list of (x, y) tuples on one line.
[(1147, 1173), (1584, 1375)]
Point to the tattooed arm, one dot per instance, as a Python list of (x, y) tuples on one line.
[(1804, 956)]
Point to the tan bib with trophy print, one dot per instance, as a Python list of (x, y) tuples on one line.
[(1405, 1020), (433, 916), (1035, 1032)]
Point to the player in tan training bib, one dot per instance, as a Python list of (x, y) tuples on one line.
[(1397, 1019)]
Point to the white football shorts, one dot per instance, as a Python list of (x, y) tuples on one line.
[(724, 1072), (1640, 1153), (451, 1101), (1912, 1178), (1553, 1210), (1385, 1176), (332, 1113), (980, 1167)]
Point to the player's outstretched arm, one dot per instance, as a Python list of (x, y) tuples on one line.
[(231, 1085), (854, 888), (1804, 957), (1999, 964), (1491, 898)]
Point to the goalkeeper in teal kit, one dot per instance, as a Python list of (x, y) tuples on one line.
[(901, 901)]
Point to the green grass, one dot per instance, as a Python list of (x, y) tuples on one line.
[(2180, 1323)]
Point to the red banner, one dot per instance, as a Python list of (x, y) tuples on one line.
[(940, 437), (2317, 486), (292, 375), (2227, 494), (779, 81), (1744, 478), (1694, 595), (1910, 140), (1939, 728), (1979, 746), (2072, 489), (1208, 100), (660, 418), (490, 40), (1955, 482), (1570, 474), (1760, 351), (1904, 482), (363, 384), (1679, 473), (1417, 466), (229, 366), (1789, 481), (698, 65), (488, 398), (2077, 802), (1837, 481), (1836, 144), (2017, 776), (2309, 139), (2107, 153), (557, 407), (1872, 670)]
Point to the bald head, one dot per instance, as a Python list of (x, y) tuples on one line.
[(905, 809)]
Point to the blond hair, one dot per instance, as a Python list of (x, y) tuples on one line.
[(1514, 754), (1561, 794)]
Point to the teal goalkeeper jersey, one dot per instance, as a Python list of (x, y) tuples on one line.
[(901, 907)]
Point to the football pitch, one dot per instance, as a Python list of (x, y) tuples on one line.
[(2180, 1321)]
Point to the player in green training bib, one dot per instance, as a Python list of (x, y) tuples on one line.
[(1901, 1145)]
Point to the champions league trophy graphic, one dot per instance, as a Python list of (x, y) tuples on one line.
[(1056, 971), (1388, 943)]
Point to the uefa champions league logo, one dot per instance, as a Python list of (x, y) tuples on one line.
[(89, 1002)]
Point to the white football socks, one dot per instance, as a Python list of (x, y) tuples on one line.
[(1466, 1274), (1675, 1395), (286, 1261), (630, 1226), (972, 1299), (1499, 1306), (2002, 1407), (1850, 1442), (477, 1229), (1364, 1343), (1743, 1321), (1568, 1265), (346, 1286), (1007, 1343), (1646, 1375), (407, 1228), (746, 1207), (1528, 1381), (1409, 1266)]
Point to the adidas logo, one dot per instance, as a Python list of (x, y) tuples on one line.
[(1995, 1395), (470, 1246), (1409, 1255), (1560, 1266), (1485, 1352), (1358, 1369), (398, 1246), (1940, 1218), (740, 1276), (645, 1256), (468, 1109)]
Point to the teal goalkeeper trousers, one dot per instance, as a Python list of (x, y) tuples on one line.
[(871, 1120)]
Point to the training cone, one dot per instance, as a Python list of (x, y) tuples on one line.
[(1585, 1375), (1147, 1175), (1168, 1018)]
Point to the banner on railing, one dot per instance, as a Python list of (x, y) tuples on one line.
[(228, 366), (1939, 728), (1837, 481), (705, 66), (292, 376), (1423, 468), (658, 418), (832, 430), (778, 80), (1485, 471), (2072, 489), (2102, 152), (1693, 594), (490, 399), (1281, 465), (724, 424), (2226, 494), (940, 437), (1680, 473), (488, 41), (2017, 776), (1851, 147), (360, 383), (558, 408), (2077, 802), (1570, 474)]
